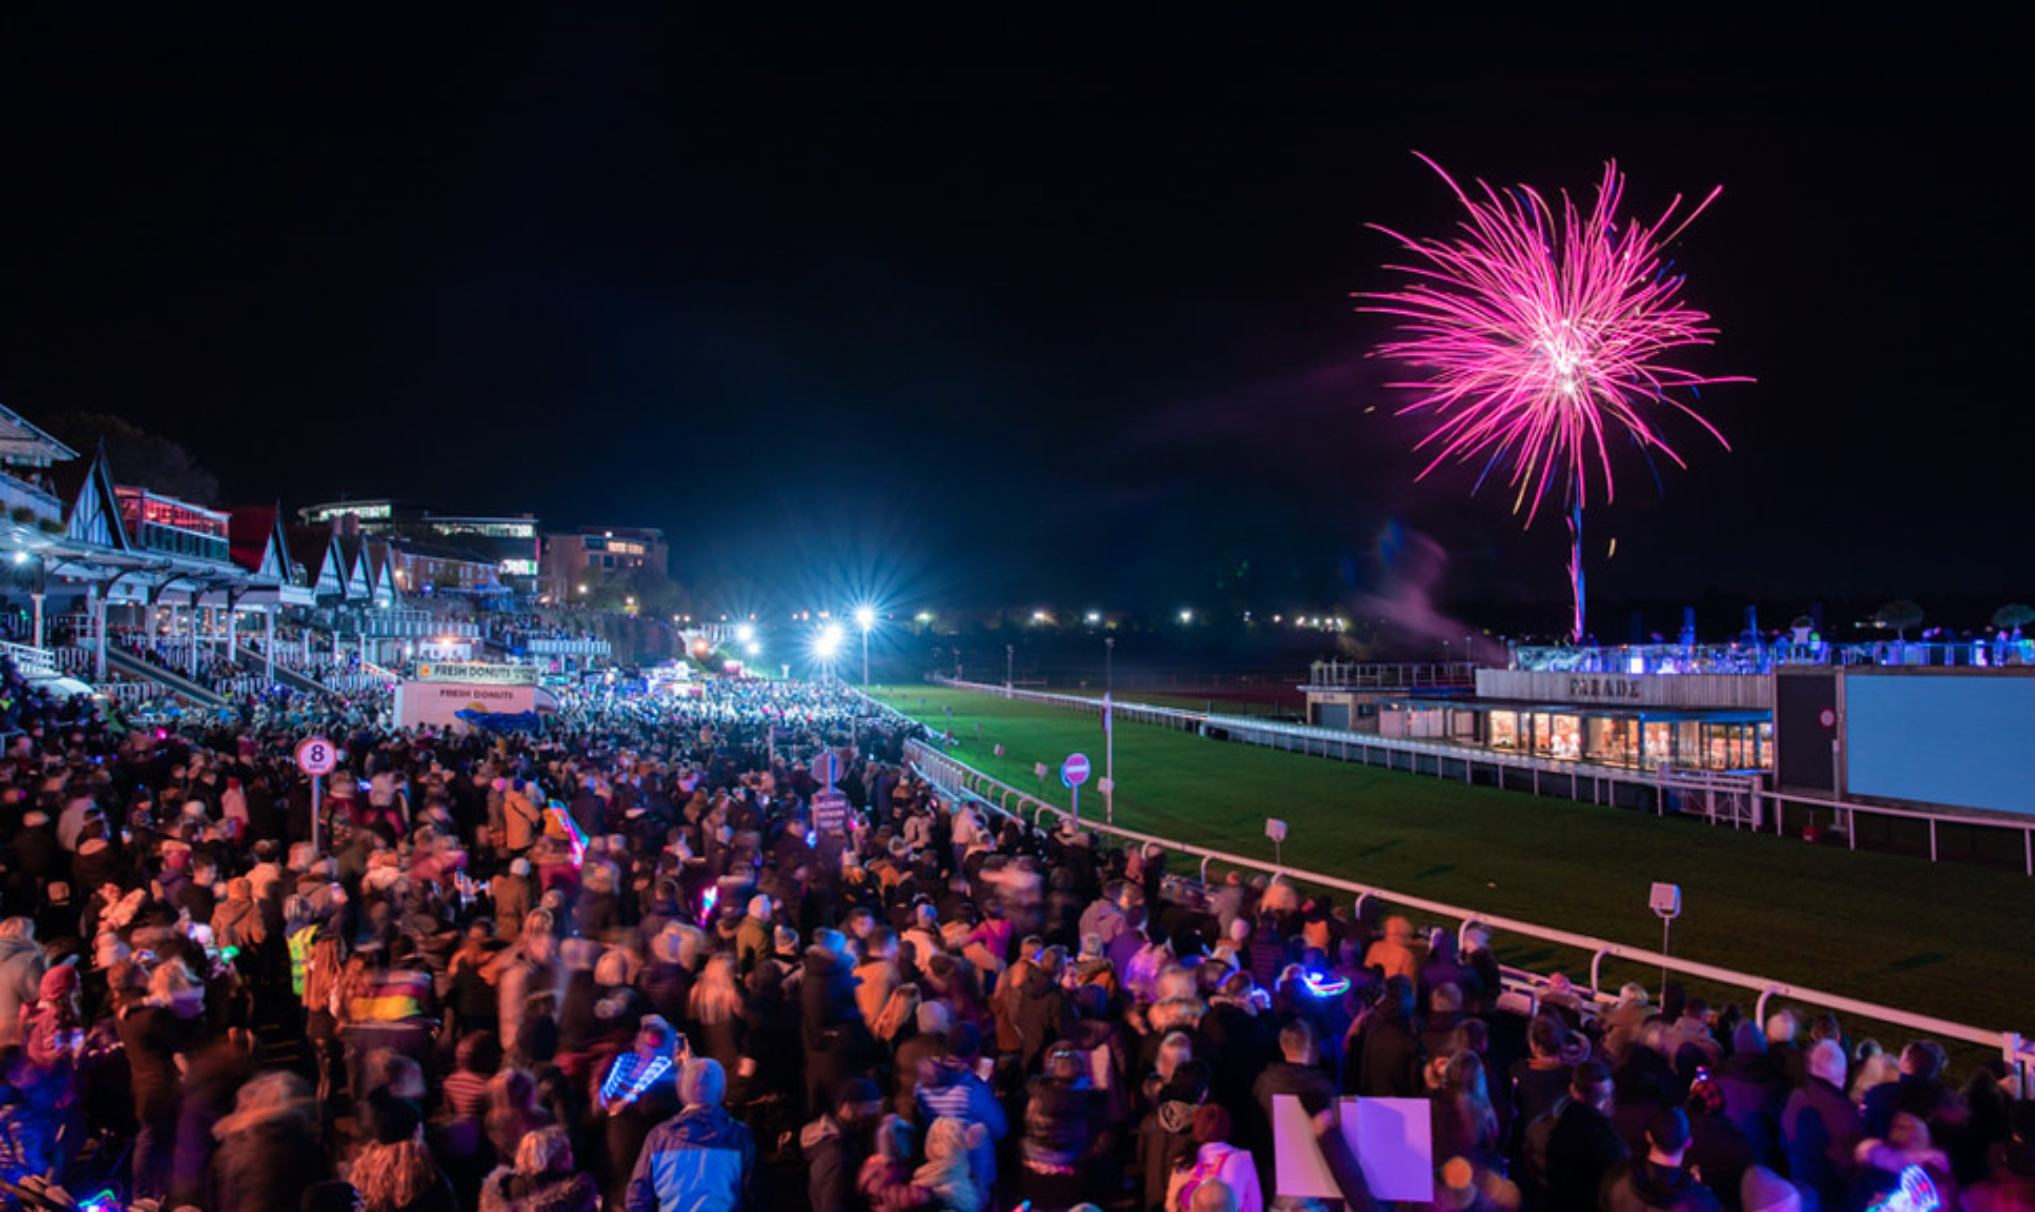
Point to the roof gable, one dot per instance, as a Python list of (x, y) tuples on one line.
[(93, 512)]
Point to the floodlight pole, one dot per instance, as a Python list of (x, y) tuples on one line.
[(1109, 728)]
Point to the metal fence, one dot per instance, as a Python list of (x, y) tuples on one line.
[(1723, 797), (959, 779)]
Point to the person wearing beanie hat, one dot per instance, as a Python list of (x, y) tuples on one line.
[(702, 1158), (53, 1027), (753, 937)]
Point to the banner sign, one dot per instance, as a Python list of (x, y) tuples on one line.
[(474, 674)]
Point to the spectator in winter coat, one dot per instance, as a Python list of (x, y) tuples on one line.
[(1055, 1168), (700, 1160), (1216, 1160), (1658, 1182), (837, 1143), (950, 1088), (1384, 1056), (544, 1179), (22, 962), (1393, 955), (1820, 1128), (1568, 1152), (948, 1177), (268, 1147)]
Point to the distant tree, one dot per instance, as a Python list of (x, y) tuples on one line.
[(138, 457), (1898, 616), (2013, 616)]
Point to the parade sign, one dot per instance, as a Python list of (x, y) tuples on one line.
[(830, 813)]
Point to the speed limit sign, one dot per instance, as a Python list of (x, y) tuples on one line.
[(316, 756)]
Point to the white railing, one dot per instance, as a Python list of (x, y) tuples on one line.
[(32, 662), (1581, 781), (1722, 796), (961, 779)]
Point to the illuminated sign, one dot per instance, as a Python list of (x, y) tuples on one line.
[(475, 674)]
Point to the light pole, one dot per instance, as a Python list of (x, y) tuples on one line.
[(865, 618), (1109, 728), (1009, 666)]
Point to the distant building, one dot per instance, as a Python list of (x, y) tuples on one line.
[(510, 543), (423, 568), (600, 552)]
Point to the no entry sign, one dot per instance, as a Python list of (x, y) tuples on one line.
[(1074, 771)]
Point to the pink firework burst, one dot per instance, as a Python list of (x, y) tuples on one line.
[(1541, 331)]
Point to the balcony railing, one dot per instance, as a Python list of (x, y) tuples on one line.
[(16, 493)]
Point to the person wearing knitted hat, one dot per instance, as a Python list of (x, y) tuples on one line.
[(54, 1028), (753, 936), (700, 1160)]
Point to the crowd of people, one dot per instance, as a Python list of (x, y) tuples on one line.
[(643, 960)]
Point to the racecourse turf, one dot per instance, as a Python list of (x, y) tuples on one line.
[(1935, 939)]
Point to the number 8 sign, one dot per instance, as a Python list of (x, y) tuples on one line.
[(316, 756)]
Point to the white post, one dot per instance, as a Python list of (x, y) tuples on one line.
[(148, 624), (38, 598), (99, 626), (268, 641), (232, 633)]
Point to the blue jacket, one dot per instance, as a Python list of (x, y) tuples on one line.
[(700, 1160)]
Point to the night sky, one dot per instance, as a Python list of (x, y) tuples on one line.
[(1008, 310)]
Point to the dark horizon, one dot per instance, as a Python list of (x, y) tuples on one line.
[(958, 316)]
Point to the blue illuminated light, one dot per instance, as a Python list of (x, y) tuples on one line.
[(1324, 986), (1916, 1193)]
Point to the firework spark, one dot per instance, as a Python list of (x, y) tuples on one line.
[(1541, 331)]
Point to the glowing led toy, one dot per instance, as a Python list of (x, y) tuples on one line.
[(1916, 1193), (625, 1085), (573, 837), (1541, 332), (1324, 986), (709, 901)]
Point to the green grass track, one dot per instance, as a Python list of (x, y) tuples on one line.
[(1934, 939)]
